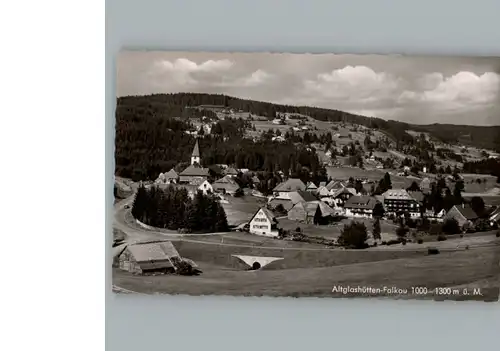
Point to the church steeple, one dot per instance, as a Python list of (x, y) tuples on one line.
[(195, 156)]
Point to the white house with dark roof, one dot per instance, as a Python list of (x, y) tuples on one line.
[(264, 223), (360, 206), (399, 201), (463, 214)]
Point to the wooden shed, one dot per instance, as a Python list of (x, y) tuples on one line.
[(149, 257)]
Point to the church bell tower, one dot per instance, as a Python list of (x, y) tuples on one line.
[(195, 156)]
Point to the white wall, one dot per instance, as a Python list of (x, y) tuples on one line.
[(260, 220)]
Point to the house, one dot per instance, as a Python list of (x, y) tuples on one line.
[(464, 214), (192, 173), (230, 171), (360, 206), (283, 189), (264, 223), (426, 185), (334, 185), (196, 185), (291, 199), (168, 177), (226, 185), (322, 192), (431, 215), (150, 257), (399, 201), (342, 195), (316, 212)]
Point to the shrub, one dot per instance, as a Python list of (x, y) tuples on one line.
[(420, 241), (383, 243), (450, 226), (403, 242), (184, 268), (461, 235), (441, 238), (435, 229), (497, 234), (354, 235), (432, 251)]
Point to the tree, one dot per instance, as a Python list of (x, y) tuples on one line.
[(376, 229), (239, 193), (451, 226), (354, 235), (317, 216), (457, 192), (402, 230), (378, 210), (413, 187), (477, 204), (358, 186), (140, 203)]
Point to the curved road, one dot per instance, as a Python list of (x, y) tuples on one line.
[(135, 234)]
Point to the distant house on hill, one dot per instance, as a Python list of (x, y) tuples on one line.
[(168, 177), (360, 206), (426, 185), (148, 258), (464, 214), (226, 185), (264, 223), (283, 189)]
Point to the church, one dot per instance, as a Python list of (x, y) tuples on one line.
[(194, 172)]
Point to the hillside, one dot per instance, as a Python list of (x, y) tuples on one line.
[(174, 105)]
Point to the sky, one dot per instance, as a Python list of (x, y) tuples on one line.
[(412, 89)]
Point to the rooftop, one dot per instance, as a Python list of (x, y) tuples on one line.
[(361, 202), (292, 184), (193, 170), (153, 251)]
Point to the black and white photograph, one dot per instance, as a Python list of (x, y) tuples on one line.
[(307, 175)]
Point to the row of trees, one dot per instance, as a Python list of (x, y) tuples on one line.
[(172, 208)]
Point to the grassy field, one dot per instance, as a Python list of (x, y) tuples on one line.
[(462, 268), (241, 209)]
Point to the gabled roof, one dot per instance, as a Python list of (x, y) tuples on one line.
[(417, 195), (467, 212), (397, 194), (323, 191), (146, 252), (226, 180), (270, 216), (344, 190), (322, 183), (361, 202), (196, 150), (335, 184), (311, 185), (324, 208), (193, 170), (230, 171), (171, 174), (292, 184), (286, 203), (300, 195)]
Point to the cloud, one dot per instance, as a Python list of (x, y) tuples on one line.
[(184, 72), (353, 83), (254, 79), (463, 90)]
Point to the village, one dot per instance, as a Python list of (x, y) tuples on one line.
[(381, 194)]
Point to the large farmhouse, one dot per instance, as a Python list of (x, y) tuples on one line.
[(398, 201), (264, 223)]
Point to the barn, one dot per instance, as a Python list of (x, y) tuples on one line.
[(148, 257)]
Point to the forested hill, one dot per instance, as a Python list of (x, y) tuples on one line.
[(173, 105)]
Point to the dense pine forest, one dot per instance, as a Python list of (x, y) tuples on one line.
[(151, 134), (173, 209)]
